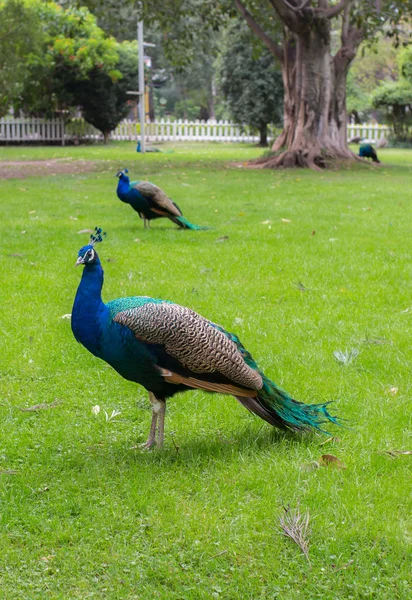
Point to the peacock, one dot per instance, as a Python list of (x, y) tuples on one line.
[(150, 201), (368, 151), (168, 348)]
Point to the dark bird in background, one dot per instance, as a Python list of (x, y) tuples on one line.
[(150, 201), (368, 151), (168, 348)]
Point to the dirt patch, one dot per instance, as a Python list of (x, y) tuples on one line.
[(31, 168)]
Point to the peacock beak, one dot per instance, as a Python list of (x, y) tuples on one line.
[(79, 261)]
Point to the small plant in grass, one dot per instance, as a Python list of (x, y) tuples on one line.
[(345, 358)]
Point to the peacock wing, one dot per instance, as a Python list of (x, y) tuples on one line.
[(158, 199), (210, 357)]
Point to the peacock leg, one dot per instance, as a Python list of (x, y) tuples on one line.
[(161, 428), (144, 222), (158, 408)]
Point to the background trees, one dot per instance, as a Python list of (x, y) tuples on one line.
[(250, 80), (103, 96), (20, 38)]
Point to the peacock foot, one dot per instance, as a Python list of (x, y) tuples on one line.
[(148, 445)]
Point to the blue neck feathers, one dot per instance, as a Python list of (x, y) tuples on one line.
[(90, 314), (123, 186)]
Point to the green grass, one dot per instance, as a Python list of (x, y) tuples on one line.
[(88, 515)]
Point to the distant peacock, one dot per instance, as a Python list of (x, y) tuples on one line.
[(168, 348), (368, 151), (150, 201)]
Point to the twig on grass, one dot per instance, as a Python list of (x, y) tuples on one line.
[(42, 406)]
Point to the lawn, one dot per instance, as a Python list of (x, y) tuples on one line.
[(300, 265)]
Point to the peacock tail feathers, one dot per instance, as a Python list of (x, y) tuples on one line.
[(277, 408), (185, 224)]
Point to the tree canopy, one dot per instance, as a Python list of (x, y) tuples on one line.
[(103, 99), (72, 45)]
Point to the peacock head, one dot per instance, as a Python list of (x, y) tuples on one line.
[(87, 254), (122, 174)]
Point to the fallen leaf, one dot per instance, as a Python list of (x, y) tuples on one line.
[(222, 239), (8, 472), (17, 255), (22, 189), (313, 232), (328, 460), (286, 221), (334, 440), (393, 391), (85, 230), (66, 316), (31, 212), (137, 240), (266, 222), (74, 218), (22, 232)]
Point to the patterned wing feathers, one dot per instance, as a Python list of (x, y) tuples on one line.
[(158, 196), (193, 341)]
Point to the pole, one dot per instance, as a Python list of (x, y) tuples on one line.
[(142, 108)]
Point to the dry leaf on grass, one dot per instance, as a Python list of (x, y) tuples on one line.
[(8, 472), (86, 231), (224, 238), (37, 407), (286, 221), (328, 460)]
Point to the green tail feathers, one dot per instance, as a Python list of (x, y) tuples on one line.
[(291, 414), (280, 410), (185, 224)]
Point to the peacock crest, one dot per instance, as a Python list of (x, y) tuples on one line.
[(97, 236)]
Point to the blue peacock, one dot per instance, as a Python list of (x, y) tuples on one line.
[(168, 348), (150, 201), (368, 151)]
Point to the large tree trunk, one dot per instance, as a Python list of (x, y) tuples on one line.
[(315, 118)]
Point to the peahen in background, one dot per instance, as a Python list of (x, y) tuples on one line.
[(368, 151), (150, 201), (168, 348)]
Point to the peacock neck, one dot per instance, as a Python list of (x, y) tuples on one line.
[(89, 312), (123, 187)]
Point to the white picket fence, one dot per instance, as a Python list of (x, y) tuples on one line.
[(56, 130)]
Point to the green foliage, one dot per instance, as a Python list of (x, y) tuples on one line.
[(396, 97), (20, 38), (405, 63), (250, 80), (83, 512), (358, 101), (73, 45), (103, 99)]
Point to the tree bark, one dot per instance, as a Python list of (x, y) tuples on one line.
[(106, 137)]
